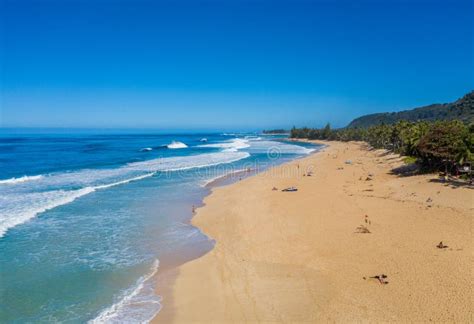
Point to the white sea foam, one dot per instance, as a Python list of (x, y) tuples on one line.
[(211, 180), (176, 145), (21, 179), (256, 145), (266, 146), (124, 181), (18, 205), (139, 304), (229, 146), (252, 138), (146, 149), (188, 162), (17, 209)]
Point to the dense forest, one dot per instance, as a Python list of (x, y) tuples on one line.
[(462, 109), (432, 143)]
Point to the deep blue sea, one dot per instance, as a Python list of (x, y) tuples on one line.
[(86, 220)]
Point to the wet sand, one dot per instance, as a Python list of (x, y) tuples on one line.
[(301, 257)]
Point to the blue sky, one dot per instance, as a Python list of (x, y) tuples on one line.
[(228, 64)]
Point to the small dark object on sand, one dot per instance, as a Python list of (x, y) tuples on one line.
[(362, 230), (274, 188), (381, 279), (441, 245), (290, 189)]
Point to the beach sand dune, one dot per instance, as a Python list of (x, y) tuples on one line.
[(308, 256)]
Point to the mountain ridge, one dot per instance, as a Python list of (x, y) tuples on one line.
[(461, 109)]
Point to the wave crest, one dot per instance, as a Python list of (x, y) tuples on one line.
[(139, 304), (176, 145), (21, 179), (18, 204), (229, 146), (20, 208)]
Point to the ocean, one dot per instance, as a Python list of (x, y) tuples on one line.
[(87, 220)]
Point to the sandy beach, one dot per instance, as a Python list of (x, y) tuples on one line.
[(304, 257)]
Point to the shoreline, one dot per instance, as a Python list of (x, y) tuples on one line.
[(167, 273), (284, 257), (165, 279), (229, 178)]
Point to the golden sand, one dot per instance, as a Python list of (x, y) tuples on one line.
[(300, 256)]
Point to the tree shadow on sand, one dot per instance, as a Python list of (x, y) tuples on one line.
[(407, 170), (454, 183), (413, 169)]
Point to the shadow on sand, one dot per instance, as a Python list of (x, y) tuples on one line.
[(413, 170)]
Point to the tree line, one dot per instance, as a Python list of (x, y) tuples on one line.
[(432, 144), (275, 131)]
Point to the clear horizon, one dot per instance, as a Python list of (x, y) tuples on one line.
[(236, 65)]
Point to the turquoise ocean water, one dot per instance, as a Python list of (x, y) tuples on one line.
[(86, 220)]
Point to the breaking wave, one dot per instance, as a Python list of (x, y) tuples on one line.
[(229, 146), (176, 145), (139, 304), (21, 179), (23, 200)]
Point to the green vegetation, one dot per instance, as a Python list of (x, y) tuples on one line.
[(275, 131), (433, 136), (462, 109), (432, 144), (410, 159)]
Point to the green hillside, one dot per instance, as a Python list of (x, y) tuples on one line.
[(462, 109)]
